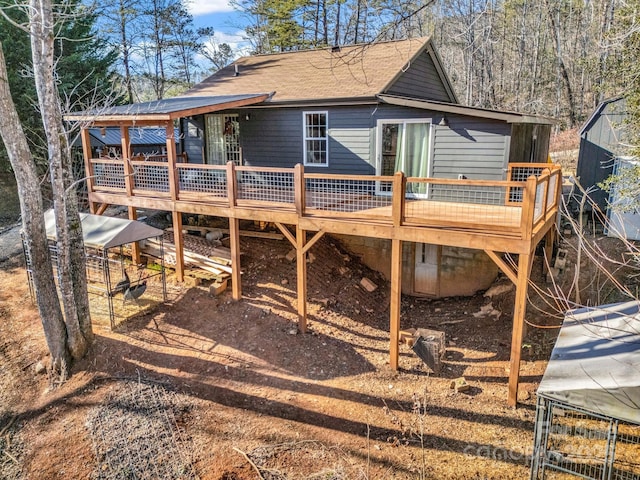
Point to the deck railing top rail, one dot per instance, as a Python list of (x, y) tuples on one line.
[(515, 206)]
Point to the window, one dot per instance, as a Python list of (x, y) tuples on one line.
[(316, 139), (223, 139)]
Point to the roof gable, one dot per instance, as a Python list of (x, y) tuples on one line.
[(352, 72)]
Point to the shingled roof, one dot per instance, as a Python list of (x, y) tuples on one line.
[(359, 71)]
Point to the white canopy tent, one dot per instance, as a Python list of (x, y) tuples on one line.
[(588, 413), (595, 363), (105, 232)]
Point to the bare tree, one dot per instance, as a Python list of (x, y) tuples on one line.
[(41, 26), (35, 237)]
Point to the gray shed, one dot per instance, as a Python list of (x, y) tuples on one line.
[(588, 413), (599, 140)]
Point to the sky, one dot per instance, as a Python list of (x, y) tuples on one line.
[(227, 23)]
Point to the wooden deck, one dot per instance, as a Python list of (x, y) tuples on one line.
[(495, 216)]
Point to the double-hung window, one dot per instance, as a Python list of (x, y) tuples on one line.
[(316, 139)]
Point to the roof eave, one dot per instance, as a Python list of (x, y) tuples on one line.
[(508, 117)]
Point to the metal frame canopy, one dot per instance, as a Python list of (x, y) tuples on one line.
[(595, 363), (105, 232), (167, 109)]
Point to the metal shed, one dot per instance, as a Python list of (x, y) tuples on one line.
[(588, 412), (104, 241)]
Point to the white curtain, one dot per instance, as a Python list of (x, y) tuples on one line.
[(412, 154), (214, 127)]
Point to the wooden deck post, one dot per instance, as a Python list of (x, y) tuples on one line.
[(234, 232), (173, 190), (397, 207), (299, 189), (126, 158), (172, 159), (519, 309), (396, 301), (179, 242), (88, 166), (135, 246), (234, 243), (301, 264)]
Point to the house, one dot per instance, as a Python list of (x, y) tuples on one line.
[(600, 138), (364, 110), (368, 143)]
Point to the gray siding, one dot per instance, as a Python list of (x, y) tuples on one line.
[(472, 147), (274, 138), (421, 80), (468, 146)]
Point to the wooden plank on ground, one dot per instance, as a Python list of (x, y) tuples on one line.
[(243, 233)]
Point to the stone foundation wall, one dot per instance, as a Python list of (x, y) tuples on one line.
[(462, 271)]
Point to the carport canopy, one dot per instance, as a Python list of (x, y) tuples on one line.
[(103, 232), (595, 363)]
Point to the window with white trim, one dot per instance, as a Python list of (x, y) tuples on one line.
[(316, 139)]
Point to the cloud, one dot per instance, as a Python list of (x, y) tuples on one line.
[(205, 7)]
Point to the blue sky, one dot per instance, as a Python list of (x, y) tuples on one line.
[(218, 14)]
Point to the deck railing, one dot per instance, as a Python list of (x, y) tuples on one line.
[(516, 205)]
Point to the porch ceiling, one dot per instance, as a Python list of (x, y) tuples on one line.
[(165, 110)]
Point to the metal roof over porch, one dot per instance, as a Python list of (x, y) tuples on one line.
[(166, 109)]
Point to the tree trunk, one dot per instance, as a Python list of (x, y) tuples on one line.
[(563, 68), (34, 233), (71, 257)]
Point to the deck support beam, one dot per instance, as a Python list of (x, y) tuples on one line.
[(502, 265), (396, 302), (301, 274), (524, 269), (287, 233), (234, 243)]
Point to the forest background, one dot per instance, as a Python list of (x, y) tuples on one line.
[(558, 58)]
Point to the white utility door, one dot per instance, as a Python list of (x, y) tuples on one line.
[(427, 268)]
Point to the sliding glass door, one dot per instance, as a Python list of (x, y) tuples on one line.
[(404, 146)]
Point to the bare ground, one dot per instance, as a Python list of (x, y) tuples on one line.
[(231, 389)]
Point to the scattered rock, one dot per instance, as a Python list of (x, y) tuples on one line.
[(368, 285), (293, 331), (459, 385), (498, 289), (487, 310), (524, 395), (214, 235), (284, 281), (40, 368)]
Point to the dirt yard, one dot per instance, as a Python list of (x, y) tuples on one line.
[(206, 387)]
